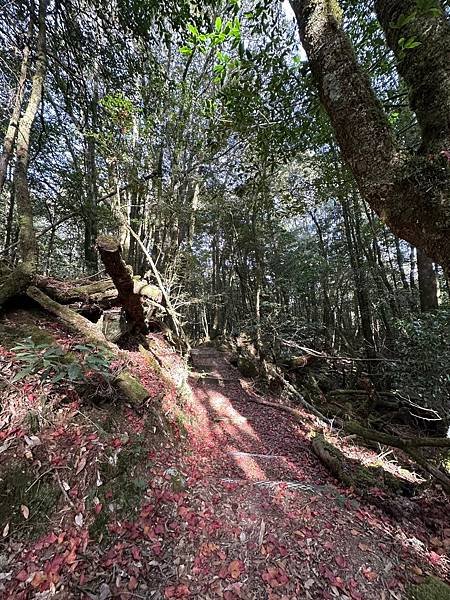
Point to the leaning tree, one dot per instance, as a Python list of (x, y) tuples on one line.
[(408, 190)]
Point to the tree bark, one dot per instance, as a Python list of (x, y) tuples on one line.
[(27, 237), (11, 132), (409, 193), (428, 290), (28, 247), (122, 276), (425, 68)]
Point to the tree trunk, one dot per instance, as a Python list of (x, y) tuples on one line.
[(27, 238), (425, 68), (122, 276), (11, 132), (428, 291), (28, 248), (409, 193)]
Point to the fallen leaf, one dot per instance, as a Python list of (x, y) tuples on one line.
[(25, 511), (236, 568), (81, 465), (340, 561), (79, 520), (132, 584), (6, 530), (369, 574), (32, 441)]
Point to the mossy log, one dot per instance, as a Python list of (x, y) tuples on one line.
[(133, 391), (13, 283), (104, 291), (331, 458), (395, 441), (409, 445)]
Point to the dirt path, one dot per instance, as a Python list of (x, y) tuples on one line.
[(297, 535)]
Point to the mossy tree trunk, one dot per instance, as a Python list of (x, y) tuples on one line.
[(410, 193), (28, 247)]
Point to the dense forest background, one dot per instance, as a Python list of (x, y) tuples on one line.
[(225, 299), (197, 137)]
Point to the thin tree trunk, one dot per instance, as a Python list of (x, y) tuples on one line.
[(27, 237), (412, 267), (28, 247), (11, 132), (427, 282)]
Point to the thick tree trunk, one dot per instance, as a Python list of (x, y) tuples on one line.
[(409, 193), (426, 67), (122, 276), (428, 290), (28, 248)]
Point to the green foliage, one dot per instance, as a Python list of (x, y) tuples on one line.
[(422, 369), (120, 110), (52, 364)]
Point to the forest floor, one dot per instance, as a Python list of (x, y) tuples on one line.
[(219, 498)]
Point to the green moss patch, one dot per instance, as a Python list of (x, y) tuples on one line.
[(431, 589), (124, 485), (20, 487), (11, 335)]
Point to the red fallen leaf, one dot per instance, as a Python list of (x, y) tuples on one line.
[(132, 584), (135, 553), (169, 592), (182, 591), (22, 575), (38, 579), (340, 561), (71, 557), (434, 558), (98, 508), (369, 574)]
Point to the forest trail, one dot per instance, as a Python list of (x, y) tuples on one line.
[(292, 532), (227, 501)]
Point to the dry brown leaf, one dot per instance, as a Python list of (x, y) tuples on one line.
[(81, 465)]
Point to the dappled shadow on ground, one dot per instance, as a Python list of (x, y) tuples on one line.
[(321, 534), (238, 508)]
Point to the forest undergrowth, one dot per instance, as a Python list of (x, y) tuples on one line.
[(198, 492)]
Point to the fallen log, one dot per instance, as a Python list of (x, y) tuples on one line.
[(130, 387), (395, 441), (65, 293), (409, 446)]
